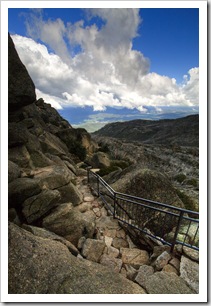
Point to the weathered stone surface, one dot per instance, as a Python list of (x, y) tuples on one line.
[(162, 260), (147, 184), (21, 189), (192, 254), (93, 249), (81, 172), (115, 264), (189, 271), (31, 259), (88, 198), (119, 243), (130, 243), (81, 242), (109, 232), (53, 176), (130, 272), (69, 223), (112, 252), (175, 262), (13, 216), (108, 241), (17, 135), (120, 234), (52, 144), (106, 222), (170, 269), (37, 206), (166, 283), (70, 193), (71, 166), (21, 89), (143, 273), (158, 250), (134, 257), (99, 160), (14, 171), (40, 160), (20, 156), (41, 232), (83, 207)]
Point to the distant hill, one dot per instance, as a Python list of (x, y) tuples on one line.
[(183, 131)]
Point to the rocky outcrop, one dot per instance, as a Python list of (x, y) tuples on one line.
[(20, 86), (61, 238), (99, 160), (166, 283), (147, 184), (45, 266), (69, 223)]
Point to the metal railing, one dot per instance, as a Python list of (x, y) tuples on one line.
[(168, 224)]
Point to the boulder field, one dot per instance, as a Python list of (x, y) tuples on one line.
[(61, 238)]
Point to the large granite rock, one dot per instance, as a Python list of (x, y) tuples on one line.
[(53, 176), (99, 160), (21, 189), (41, 232), (189, 271), (37, 206), (166, 283), (21, 89), (134, 257), (69, 223), (14, 171), (44, 266), (93, 249)]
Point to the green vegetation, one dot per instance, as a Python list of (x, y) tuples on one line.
[(187, 201), (115, 165), (180, 177), (104, 148), (77, 149), (192, 182), (106, 170)]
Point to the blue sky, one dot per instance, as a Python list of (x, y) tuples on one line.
[(100, 65)]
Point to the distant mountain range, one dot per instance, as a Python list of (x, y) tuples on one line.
[(183, 131)]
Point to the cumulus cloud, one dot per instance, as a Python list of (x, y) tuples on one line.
[(106, 72)]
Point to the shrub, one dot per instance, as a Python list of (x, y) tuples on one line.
[(187, 201), (104, 148), (107, 170), (180, 177), (192, 182), (77, 149)]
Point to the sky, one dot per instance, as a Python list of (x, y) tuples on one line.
[(111, 64)]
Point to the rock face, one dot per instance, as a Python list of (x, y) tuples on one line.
[(61, 238), (148, 184), (21, 87), (43, 149), (38, 270), (166, 283), (69, 223)]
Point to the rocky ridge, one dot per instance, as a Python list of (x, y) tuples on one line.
[(180, 132), (61, 239)]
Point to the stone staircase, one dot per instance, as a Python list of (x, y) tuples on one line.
[(158, 271)]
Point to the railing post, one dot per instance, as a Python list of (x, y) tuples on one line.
[(88, 178), (114, 205), (177, 230), (98, 186)]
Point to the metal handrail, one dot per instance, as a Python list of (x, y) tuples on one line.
[(116, 202)]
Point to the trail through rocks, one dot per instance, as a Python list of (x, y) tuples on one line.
[(112, 247)]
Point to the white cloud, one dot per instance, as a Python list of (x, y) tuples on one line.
[(107, 71)]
